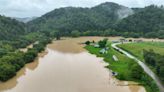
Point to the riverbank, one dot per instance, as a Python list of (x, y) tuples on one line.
[(68, 63), (151, 61), (11, 63), (70, 68), (124, 68)]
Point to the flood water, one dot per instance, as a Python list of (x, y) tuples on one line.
[(66, 67)]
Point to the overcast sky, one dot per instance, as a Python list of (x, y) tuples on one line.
[(29, 8)]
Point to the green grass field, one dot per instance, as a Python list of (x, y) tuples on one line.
[(123, 67), (137, 48)]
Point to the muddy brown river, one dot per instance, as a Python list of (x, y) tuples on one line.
[(66, 67)]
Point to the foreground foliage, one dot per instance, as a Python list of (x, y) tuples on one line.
[(127, 68), (149, 52), (12, 62), (137, 48), (156, 61)]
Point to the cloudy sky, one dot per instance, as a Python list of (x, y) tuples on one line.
[(29, 8)]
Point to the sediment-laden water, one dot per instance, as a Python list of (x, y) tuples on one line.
[(67, 67)]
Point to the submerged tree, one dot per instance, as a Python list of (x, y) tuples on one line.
[(102, 43), (87, 42), (57, 35)]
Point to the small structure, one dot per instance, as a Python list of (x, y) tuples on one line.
[(115, 58), (106, 48), (122, 40), (138, 41), (114, 73), (115, 41), (37, 42), (103, 51)]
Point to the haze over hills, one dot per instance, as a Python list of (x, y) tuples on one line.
[(68, 19), (25, 20), (106, 19), (148, 22)]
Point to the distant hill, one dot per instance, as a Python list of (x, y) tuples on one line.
[(25, 20), (106, 19), (146, 22), (67, 19), (10, 28)]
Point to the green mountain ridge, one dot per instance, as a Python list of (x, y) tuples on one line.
[(106, 19), (67, 19), (147, 22), (10, 28)]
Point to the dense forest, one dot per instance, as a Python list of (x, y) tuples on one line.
[(107, 19), (10, 29), (156, 62), (86, 21), (147, 22), (13, 36)]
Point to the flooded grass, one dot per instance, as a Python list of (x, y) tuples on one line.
[(123, 66), (68, 67)]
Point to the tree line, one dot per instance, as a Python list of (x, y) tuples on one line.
[(156, 62), (13, 62), (103, 20)]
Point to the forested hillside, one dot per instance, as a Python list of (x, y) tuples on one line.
[(107, 19), (13, 36), (10, 28), (147, 22), (70, 19), (25, 20)]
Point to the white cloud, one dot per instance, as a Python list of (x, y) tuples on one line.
[(28, 8)]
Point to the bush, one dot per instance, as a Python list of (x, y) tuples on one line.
[(6, 71), (102, 43), (87, 42), (136, 71)]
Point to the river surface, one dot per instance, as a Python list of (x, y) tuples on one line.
[(66, 67)]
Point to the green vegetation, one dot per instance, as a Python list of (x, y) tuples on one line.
[(149, 52), (126, 68), (13, 36), (75, 33), (156, 62), (10, 29), (87, 42), (102, 43), (12, 62), (107, 19), (71, 21), (137, 48), (147, 22)]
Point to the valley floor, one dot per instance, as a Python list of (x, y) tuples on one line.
[(124, 66)]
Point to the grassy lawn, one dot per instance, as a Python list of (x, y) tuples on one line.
[(123, 67), (137, 48)]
